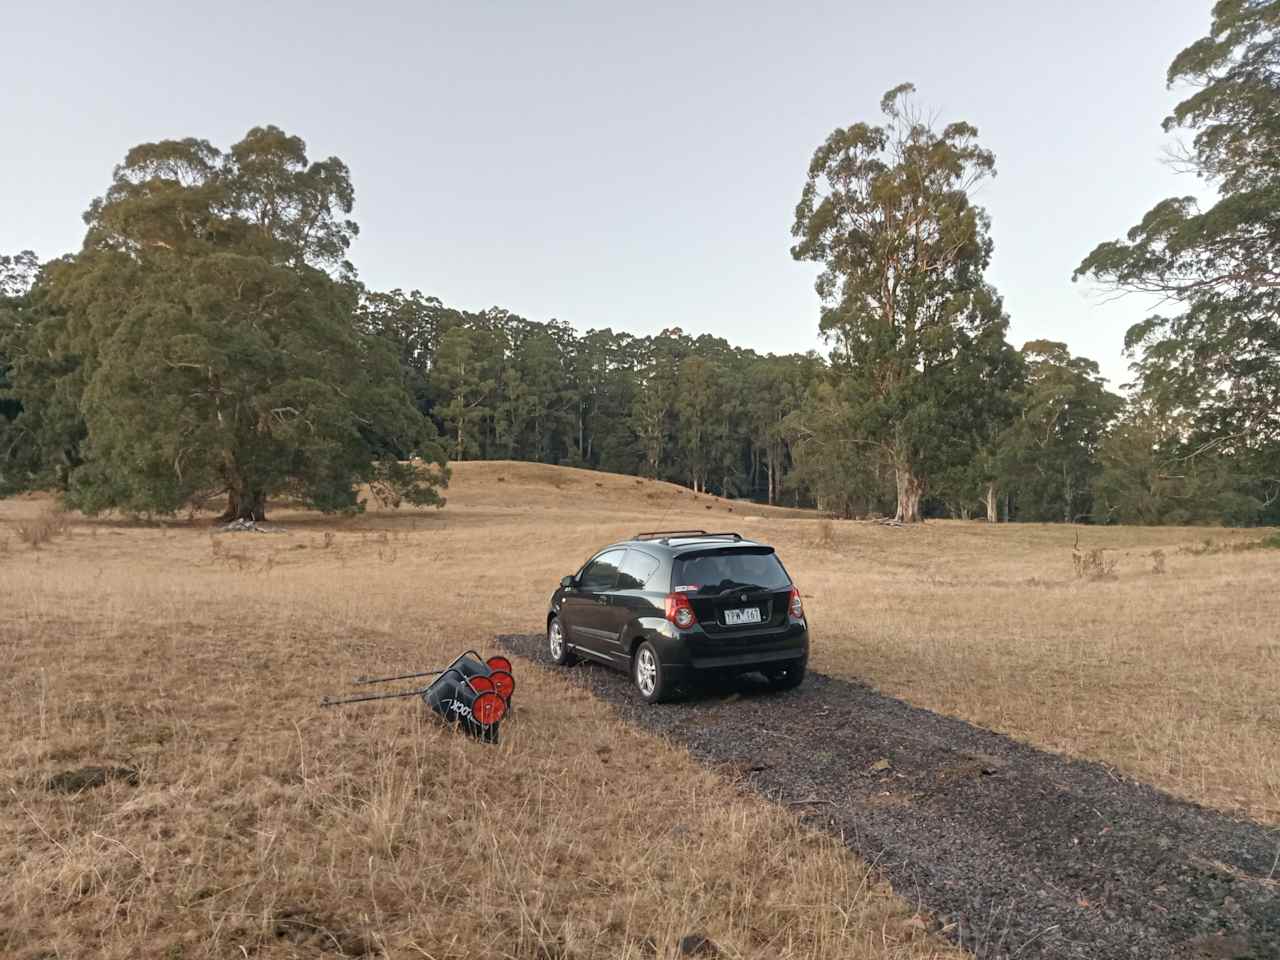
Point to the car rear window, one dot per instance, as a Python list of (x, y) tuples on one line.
[(719, 570)]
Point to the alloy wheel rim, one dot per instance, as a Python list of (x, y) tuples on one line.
[(646, 672), (557, 644)]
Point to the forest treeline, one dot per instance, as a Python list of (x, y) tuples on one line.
[(211, 339)]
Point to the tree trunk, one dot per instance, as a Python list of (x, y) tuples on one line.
[(250, 506), (910, 490), (771, 487), (993, 504)]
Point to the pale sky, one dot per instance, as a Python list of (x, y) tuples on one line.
[(633, 166)]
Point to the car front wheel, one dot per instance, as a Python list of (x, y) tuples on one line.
[(649, 676), (557, 647)]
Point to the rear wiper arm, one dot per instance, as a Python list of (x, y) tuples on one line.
[(739, 588)]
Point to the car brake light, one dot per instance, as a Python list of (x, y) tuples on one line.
[(795, 606), (680, 611)]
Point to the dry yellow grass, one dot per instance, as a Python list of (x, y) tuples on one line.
[(263, 822), (264, 826), (1171, 677)]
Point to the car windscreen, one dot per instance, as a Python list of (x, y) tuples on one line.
[(716, 571)]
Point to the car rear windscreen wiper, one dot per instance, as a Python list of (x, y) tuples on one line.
[(738, 588)]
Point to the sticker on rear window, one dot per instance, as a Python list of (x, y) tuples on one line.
[(686, 588)]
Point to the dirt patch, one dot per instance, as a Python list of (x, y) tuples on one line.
[(89, 778), (1015, 852)]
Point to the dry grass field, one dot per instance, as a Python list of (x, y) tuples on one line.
[(261, 825)]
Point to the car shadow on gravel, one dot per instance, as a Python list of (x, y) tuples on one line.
[(1014, 852)]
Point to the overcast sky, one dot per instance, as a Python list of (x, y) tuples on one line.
[(634, 166)]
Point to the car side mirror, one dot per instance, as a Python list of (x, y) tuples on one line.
[(566, 581)]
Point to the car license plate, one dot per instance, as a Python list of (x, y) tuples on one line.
[(745, 615)]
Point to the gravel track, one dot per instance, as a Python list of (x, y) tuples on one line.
[(1013, 851)]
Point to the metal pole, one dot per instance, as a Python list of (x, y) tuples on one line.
[(404, 676), (326, 702), (359, 681)]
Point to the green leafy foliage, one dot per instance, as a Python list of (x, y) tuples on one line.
[(204, 342), (917, 331), (1048, 455), (1214, 369)]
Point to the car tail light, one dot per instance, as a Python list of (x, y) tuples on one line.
[(794, 605), (680, 611)]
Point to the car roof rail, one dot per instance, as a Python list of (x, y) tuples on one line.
[(663, 536)]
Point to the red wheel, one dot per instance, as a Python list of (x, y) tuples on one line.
[(503, 683), (488, 709), (499, 663), (482, 684)]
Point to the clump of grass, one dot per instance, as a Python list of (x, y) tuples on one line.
[(44, 528), (1092, 564), (1209, 546)]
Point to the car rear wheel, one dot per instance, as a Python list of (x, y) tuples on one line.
[(557, 647), (647, 673), (788, 675)]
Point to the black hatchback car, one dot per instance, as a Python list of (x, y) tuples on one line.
[(673, 605)]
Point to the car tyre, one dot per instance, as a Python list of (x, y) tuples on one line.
[(649, 675), (787, 676), (557, 645)]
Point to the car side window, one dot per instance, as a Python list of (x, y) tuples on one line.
[(636, 570), (602, 572)]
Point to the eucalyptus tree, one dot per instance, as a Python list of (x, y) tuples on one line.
[(775, 388), (460, 373), (1219, 358), (413, 324), (1048, 454), (886, 211), (843, 476), (653, 409), (1147, 474), (205, 339), (17, 276)]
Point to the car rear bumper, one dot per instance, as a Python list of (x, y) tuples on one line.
[(690, 652)]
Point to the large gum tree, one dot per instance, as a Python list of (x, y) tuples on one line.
[(886, 211), (1210, 361), (205, 337)]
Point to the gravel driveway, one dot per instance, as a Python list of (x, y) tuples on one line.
[(1013, 851)]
